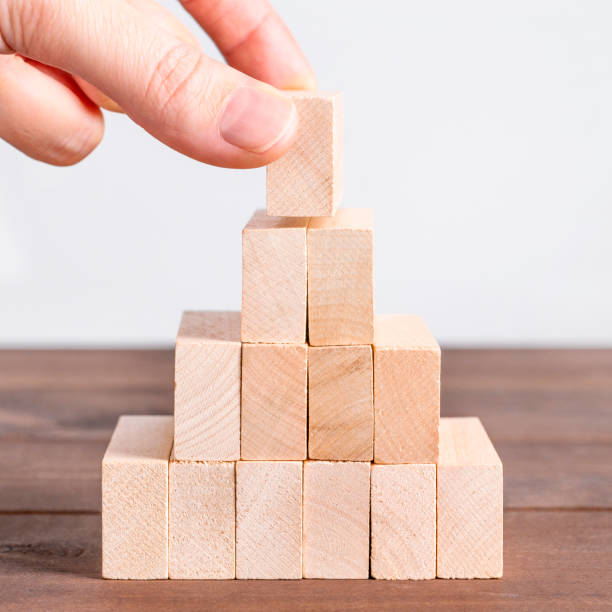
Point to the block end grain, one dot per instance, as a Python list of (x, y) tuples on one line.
[(470, 502), (202, 520), (308, 180), (403, 522), (341, 278), (274, 279), (336, 519), (274, 401), (407, 363), (269, 519), (207, 387), (135, 499), (340, 405)]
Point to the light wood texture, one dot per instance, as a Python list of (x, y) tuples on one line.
[(470, 502), (307, 181), (274, 401), (202, 523), (340, 410), (341, 278), (269, 519), (406, 390), (135, 499), (403, 521), (336, 519), (207, 387), (274, 279)]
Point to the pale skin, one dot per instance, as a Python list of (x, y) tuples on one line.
[(62, 61)]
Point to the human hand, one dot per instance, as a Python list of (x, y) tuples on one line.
[(61, 60)]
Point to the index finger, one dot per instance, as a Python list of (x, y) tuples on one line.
[(255, 40)]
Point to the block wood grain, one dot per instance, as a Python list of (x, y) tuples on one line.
[(336, 519), (406, 390), (274, 401), (403, 521), (269, 519), (341, 278), (274, 279), (135, 499), (202, 520), (307, 181), (207, 387), (470, 502), (340, 410)]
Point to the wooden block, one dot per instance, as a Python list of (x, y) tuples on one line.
[(307, 181), (274, 401), (470, 502), (207, 387), (269, 519), (274, 279), (336, 519), (135, 499), (406, 390), (340, 411), (341, 278), (403, 520), (202, 524)]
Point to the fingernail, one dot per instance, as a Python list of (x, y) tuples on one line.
[(255, 120)]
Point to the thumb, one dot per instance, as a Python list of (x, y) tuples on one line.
[(189, 101)]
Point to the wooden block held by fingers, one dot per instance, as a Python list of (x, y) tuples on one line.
[(207, 387), (336, 519), (274, 279), (269, 519), (274, 401), (307, 181), (135, 499), (341, 278), (403, 520), (470, 502), (202, 522), (340, 411), (406, 390)]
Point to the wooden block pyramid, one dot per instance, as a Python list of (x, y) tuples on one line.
[(306, 440)]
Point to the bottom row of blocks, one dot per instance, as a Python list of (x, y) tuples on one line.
[(291, 519)]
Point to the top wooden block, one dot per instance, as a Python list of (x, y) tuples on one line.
[(307, 180)]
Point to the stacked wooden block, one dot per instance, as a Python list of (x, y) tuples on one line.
[(306, 440)]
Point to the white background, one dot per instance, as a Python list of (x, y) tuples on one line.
[(480, 132)]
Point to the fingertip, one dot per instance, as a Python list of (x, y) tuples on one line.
[(45, 115), (78, 145), (259, 120), (255, 40)]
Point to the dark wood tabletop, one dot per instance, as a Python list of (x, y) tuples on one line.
[(549, 413)]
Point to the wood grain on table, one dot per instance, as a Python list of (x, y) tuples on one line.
[(549, 413)]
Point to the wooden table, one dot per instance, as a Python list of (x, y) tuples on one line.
[(548, 412)]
